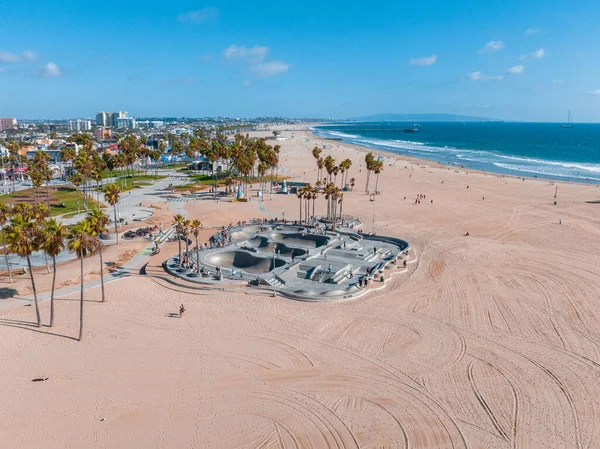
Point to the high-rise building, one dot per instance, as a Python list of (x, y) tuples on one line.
[(109, 119), (101, 118), (117, 115), (126, 122), (79, 125), (7, 123)]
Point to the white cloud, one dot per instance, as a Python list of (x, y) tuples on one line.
[(26, 56), (538, 54), (478, 76), (251, 55), (492, 46), (424, 61), (532, 31), (558, 82), (50, 70), (199, 16), (271, 68), (516, 70), (595, 92), (247, 83), (255, 58)]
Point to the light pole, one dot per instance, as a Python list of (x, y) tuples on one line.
[(373, 217), (274, 278)]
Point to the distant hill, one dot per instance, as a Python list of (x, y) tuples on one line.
[(419, 118)]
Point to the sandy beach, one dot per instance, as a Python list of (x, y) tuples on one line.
[(491, 340)]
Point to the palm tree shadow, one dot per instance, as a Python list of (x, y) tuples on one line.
[(7, 292), (30, 327)]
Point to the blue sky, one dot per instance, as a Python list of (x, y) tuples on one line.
[(509, 59)]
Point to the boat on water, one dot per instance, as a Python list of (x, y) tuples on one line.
[(410, 130), (568, 124)]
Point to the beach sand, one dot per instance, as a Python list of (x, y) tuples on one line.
[(491, 340)]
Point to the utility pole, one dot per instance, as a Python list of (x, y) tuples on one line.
[(555, 193)]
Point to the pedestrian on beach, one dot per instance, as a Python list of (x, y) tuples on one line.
[(181, 311)]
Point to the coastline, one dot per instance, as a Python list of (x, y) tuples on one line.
[(503, 291), (404, 153)]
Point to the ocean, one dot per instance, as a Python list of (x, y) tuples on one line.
[(543, 150)]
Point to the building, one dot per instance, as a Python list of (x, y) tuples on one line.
[(79, 125), (8, 123), (102, 133), (126, 123), (154, 124), (101, 119), (117, 115)]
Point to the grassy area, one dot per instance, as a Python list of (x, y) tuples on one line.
[(203, 181), (62, 199), (138, 181)]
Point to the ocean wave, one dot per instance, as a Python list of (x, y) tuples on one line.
[(476, 158), (539, 170), (339, 134)]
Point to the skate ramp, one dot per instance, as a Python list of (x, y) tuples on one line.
[(306, 240), (243, 260)]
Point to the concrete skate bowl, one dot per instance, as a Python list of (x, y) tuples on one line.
[(282, 249), (306, 240), (255, 242), (243, 260), (263, 244)]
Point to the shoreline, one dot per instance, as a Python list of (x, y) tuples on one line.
[(503, 172)]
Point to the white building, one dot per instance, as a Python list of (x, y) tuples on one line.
[(154, 124), (126, 123), (80, 125), (101, 119), (8, 123)]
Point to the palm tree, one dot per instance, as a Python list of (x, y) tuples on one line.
[(77, 180), (99, 222), (82, 242), (186, 231), (178, 221), (300, 195), (111, 195), (352, 183), (55, 235), (377, 169), (5, 211), (369, 161), (196, 227), (24, 237)]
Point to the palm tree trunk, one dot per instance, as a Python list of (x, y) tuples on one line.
[(52, 292), (367, 185), (35, 298), (116, 227), (101, 271), (47, 194), (314, 199), (376, 182), (179, 243), (300, 199), (46, 260), (197, 253), (6, 257), (81, 300)]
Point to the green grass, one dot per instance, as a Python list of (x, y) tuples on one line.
[(63, 200), (138, 181)]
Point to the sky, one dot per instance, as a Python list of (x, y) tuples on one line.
[(513, 60)]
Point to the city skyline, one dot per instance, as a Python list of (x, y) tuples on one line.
[(529, 62)]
